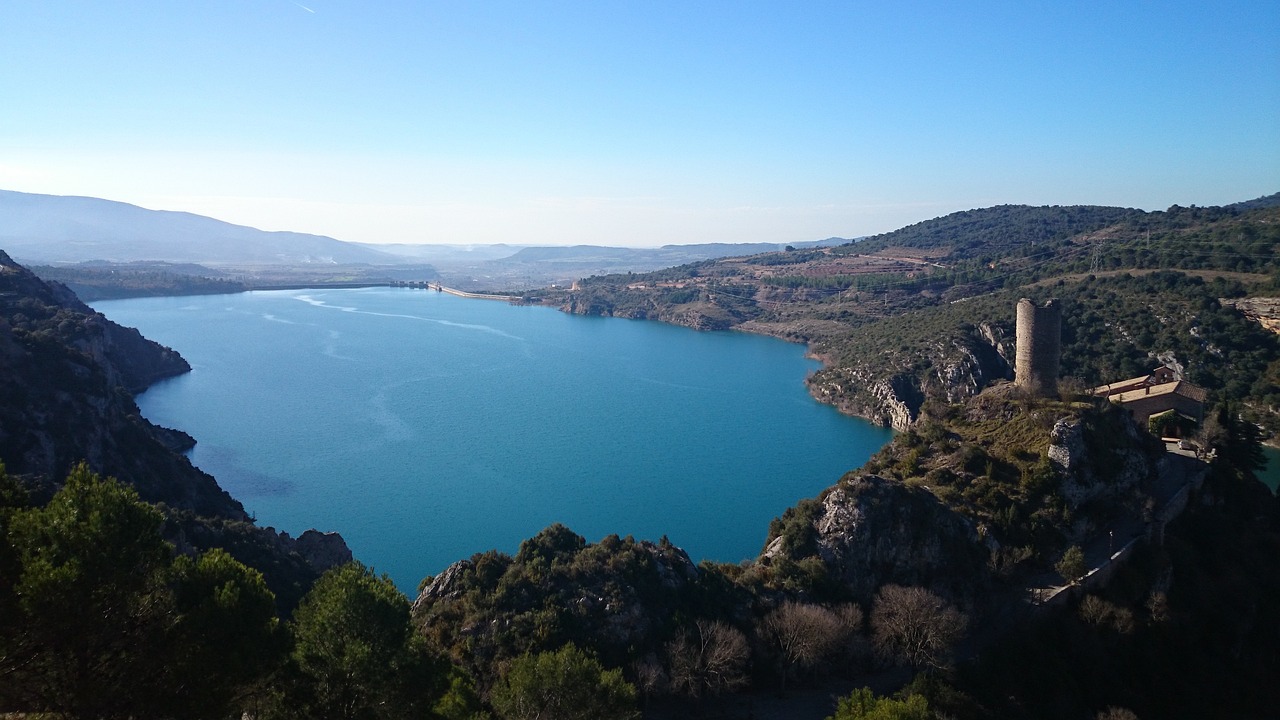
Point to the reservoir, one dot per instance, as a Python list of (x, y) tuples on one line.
[(1270, 475), (426, 428)]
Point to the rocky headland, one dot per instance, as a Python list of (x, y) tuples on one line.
[(67, 381)]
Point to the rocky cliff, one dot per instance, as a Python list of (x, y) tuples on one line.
[(66, 396), (67, 378), (890, 389), (869, 531), (996, 487), (700, 314)]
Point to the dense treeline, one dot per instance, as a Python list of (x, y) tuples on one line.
[(90, 284), (99, 618), (1000, 229)]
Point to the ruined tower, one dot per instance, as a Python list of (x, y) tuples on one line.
[(1039, 347)]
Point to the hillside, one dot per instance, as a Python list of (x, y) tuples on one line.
[(926, 311), (67, 381), (58, 353), (999, 230), (138, 279)]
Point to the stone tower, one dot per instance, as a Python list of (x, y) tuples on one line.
[(1039, 347)]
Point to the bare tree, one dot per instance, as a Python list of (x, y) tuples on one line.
[(913, 626), (807, 634), (711, 660), (1096, 611), (651, 678)]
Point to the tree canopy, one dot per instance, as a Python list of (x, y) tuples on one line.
[(104, 621), (566, 684)]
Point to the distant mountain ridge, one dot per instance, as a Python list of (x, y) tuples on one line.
[(59, 229), (56, 229), (667, 254)]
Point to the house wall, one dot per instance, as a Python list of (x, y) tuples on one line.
[(1144, 407)]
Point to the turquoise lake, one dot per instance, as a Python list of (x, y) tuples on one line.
[(1270, 475), (426, 427)]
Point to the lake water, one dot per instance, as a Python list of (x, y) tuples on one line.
[(426, 427), (1270, 475)]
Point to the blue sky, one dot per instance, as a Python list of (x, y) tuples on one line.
[(635, 123)]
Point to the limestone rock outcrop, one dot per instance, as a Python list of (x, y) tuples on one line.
[(322, 550), (1091, 468), (953, 370), (870, 531)]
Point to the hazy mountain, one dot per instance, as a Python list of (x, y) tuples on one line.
[(664, 256), (446, 254), (57, 229), (641, 257)]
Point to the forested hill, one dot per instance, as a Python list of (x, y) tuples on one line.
[(999, 230), (1266, 201), (1010, 229), (138, 280)]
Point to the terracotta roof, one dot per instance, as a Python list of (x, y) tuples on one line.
[(1180, 387), (1119, 386), (1112, 388)]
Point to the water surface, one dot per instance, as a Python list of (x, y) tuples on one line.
[(1270, 475), (426, 427)]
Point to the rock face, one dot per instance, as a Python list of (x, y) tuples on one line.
[(978, 360), (66, 396), (870, 531), (699, 315), (894, 401), (954, 371), (1265, 310), (1113, 459), (322, 550), (132, 361)]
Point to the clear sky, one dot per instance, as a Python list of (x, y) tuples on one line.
[(635, 123)]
